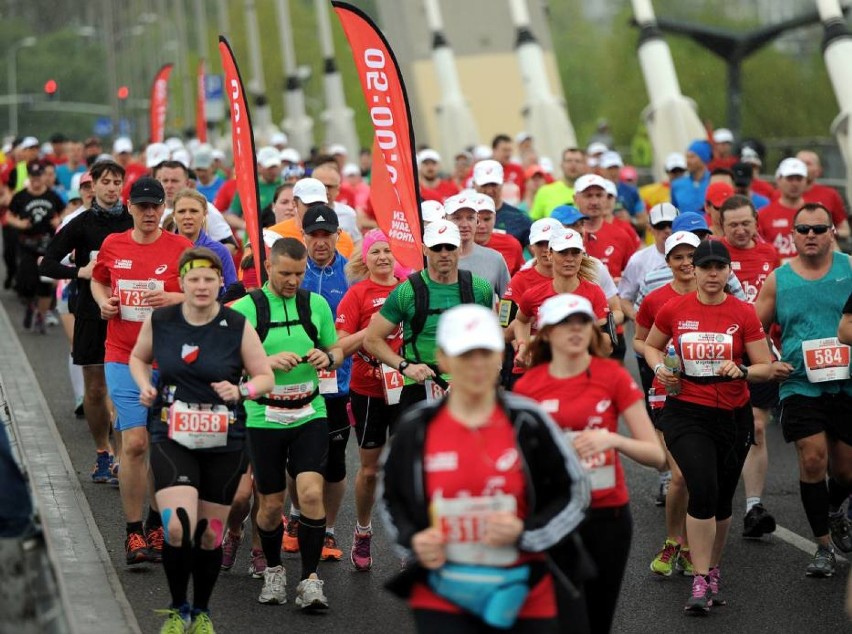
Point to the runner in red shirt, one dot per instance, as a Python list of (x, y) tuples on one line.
[(136, 272), (708, 426), (679, 249), (487, 236), (374, 404), (823, 194), (585, 393), (775, 221), (502, 148), (432, 186)]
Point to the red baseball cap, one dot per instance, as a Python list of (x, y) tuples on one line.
[(718, 193)]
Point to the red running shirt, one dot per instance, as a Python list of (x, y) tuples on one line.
[(443, 190), (534, 297), (648, 310), (593, 399), (459, 461), (524, 280), (704, 335), (753, 266), (829, 198), (775, 225), (354, 313), (611, 245), (509, 247), (128, 267)]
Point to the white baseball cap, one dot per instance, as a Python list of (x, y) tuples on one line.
[(182, 156), (350, 169), (469, 327), (791, 167), (441, 232), (203, 157), (589, 180), (750, 155), (596, 148), (28, 142), (675, 161), (610, 159), (723, 135), (484, 202), (337, 148), (432, 210), (122, 145), (544, 228), (610, 188), (482, 152), (460, 201), (268, 156), (662, 212), (558, 308), (310, 190), (488, 172), (218, 155), (520, 137), (290, 155), (278, 138), (568, 239), (174, 143), (681, 237), (546, 164), (156, 153), (428, 155)]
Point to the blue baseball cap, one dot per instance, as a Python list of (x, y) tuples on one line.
[(567, 214), (690, 221)]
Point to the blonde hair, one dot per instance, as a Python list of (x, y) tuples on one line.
[(356, 269), (193, 194), (588, 270)]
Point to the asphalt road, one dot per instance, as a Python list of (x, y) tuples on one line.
[(763, 581)]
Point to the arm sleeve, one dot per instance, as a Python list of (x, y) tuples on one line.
[(599, 303), (391, 310), (101, 273), (644, 317), (484, 293), (229, 271), (348, 313), (736, 287), (628, 285), (626, 391), (60, 246), (751, 324), (663, 319)]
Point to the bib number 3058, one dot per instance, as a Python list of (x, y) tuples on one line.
[(197, 428)]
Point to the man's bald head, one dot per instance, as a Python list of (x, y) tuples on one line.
[(811, 159)]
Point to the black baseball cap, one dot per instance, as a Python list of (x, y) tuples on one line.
[(711, 251), (743, 174), (320, 218), (35, 168), (147, 190)]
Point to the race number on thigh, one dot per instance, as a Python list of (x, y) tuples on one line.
[(825, 360), (703, 353), (462, 523), (133, 306), (199, 426), (600, 467)]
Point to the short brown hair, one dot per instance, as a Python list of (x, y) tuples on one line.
[(813, 207), (199, 253), (736, 201)]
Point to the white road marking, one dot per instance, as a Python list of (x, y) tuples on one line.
[(803, 544)]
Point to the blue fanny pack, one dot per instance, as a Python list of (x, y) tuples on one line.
[(493, 594)]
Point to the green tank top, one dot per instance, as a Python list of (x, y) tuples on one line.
[(806, 310)]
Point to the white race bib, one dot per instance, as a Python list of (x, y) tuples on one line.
[(462, 523), (704, 353), (199, 426), (133, 307), (826, 360), (285, 415), (327, 381), (434, 392), (600, 467), (392, 382)]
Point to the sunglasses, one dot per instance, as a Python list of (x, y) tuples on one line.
[(443, 247), (661, 226), (817, 229)]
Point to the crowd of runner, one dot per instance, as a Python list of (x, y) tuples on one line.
[(485, 390)]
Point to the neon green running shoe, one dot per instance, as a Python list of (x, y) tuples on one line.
[(201, 624), (664, 562), (177, 621), (684, 563)]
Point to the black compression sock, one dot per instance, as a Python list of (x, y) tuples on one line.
[(311, 538), (134, 527), (177, 564), (205, 570), (153, 521), (837, 494), (815, 502), (270, 541)]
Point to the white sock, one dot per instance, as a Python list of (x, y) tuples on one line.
[(294, 512), (750, 502), (363, 530), (76, 374), (329, 530)]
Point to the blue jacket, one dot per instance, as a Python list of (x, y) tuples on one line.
[(688, 195), (229, 272)]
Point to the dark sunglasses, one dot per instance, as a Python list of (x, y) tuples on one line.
[(443, 247), (817, 229), (662, 226)]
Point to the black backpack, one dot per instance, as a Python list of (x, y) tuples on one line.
[(421, 304), (303, 313)]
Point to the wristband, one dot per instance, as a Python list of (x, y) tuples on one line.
[(657, 368), (249, 391), (744, 370)]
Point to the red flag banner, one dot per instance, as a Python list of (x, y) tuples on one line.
[(245, 167), (200, 119), (159, 103), (394, 189)]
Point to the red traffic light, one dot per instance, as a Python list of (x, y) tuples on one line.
[(123, 92), (50, 87)]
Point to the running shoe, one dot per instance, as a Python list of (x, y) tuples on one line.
[(274, 590), (177, 620), (230, 546), (79, 411), (683, 564), (700, 600), (39, 325), (715, 579), (823, 563), (360, 553), (257, 563), (28, 317), (113, 471), (330, 551), (50, 319), (309, 595), (758, 522), (290, 542), (136, 549), (665, 481), (101, 473), (201, 624), (155, 540), (664, 562), (838, 526)]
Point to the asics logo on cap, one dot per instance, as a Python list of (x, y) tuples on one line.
[(545, 229), (679, 235), (442, 230), (471, 325)]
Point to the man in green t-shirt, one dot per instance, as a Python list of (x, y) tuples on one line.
[(269, 179), (445, 287), (288, 429), (560, 192)]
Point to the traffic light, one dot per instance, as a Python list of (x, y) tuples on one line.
[(51, 88), (123, 92)]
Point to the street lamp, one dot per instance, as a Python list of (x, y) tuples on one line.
[(12, 74)]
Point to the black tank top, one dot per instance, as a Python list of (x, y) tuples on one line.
[(190, 358)]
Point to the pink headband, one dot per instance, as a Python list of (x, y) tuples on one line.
[(370, 238)]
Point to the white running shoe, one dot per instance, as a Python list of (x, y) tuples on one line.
[(309, 595), (274, 590)]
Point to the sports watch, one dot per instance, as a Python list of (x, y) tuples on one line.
[(402, 365)]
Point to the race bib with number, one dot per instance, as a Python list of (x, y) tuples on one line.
[(825, 360), (392, 382), (600, 467), (130, 298), (462, 522), (287, 415), (199, 426), (704, 353), (434, 392), (327, 381)]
